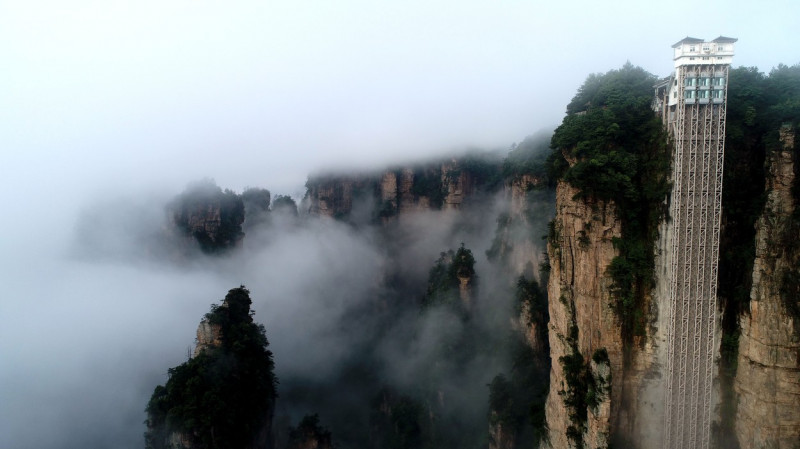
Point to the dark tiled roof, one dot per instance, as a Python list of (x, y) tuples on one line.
[(725, 40), (687, 40)]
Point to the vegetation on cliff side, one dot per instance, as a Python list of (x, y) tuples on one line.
[(444, 279), (612, 148), (516, 401), (758, 105), (529, 157), (223, 397)]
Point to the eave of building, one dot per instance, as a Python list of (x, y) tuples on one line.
[(687, 40), (725, 40)]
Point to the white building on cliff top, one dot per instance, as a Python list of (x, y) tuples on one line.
[(692, 104)]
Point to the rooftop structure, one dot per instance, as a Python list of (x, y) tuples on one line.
[(690, 50)]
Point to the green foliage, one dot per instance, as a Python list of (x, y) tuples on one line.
[(619, 153), (758, 105), (443, 278), (600, 356), (484, 170), (428, 183), (517, 403), (613, 89), (529, 157), (576, 375), (222, 397), (553, 234), (582, 389)]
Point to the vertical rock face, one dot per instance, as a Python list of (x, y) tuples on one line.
[(393, 192), (621, 384), (768, 375), (335, 197), (456, 183), (208, 335), (465, 291), (405, 194), (208, 215), (581, 320)]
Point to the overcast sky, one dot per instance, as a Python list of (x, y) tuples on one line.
[(105, 98), (262, 92)]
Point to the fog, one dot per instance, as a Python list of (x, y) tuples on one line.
[(109, 109), (94, 323)]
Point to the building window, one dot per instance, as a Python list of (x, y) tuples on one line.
[(705, 81), (688, 94), (716, 94), (702, 94), (719, 81), (705, 58), (690, 82), (706, 48), (691, 48), (691, 59)]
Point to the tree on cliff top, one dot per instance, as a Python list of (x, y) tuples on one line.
[(443, 278), (612, 147), (223, 397)]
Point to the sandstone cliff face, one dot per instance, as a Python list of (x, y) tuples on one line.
[(393, 192), (580, 249), (625, 384), (209, 216), (768, 375), (208, 335), (335, 197), (457, 185)]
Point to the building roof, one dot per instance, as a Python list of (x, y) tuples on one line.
[(687, 40), (725, 40)]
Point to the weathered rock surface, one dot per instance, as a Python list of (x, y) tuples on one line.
[(444, 185), (768, 375), (580, 249), (209, 335), (579, 291), (209, 216)]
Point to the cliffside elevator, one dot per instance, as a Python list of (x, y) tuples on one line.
[(692, 104)]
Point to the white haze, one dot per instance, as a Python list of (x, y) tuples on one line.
[(92, 327), (109, 106)]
